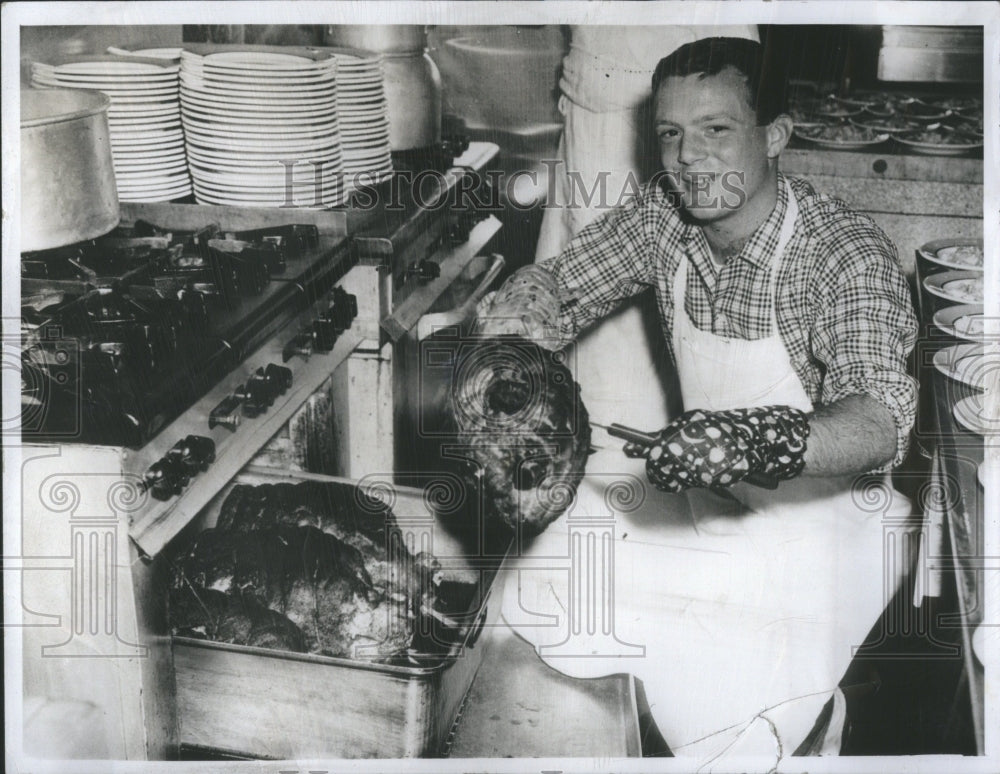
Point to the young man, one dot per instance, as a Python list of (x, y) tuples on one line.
[(789, 323), (606, 104)]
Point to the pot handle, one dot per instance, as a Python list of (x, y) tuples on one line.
[(430, 322)]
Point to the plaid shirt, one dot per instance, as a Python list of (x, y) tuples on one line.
[(843, 307)]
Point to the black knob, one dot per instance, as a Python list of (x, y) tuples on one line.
[(425, 271)]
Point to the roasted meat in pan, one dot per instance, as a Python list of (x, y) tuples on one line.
[(241, 620), (324, 557)]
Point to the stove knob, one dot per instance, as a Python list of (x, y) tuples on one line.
[(425, 270)]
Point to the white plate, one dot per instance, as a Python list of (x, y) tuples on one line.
[(362, 116), (361, 79), (155, 75), (131, 174), (843, 144), (160, 197), (269, 104), (965, 321), (365, 119), (145, 138), (351, 96), (151, 185), (943, 253), (268, 167), (358, 118), (262, 77), (261, 161), (305, 201), (354, 134), (178, 187), (163, 151), (130, 111), (214, 142), (250, 60), (243, 118), (970, 364), (141, 123), (130, 121), (938, 149), (110, 86), (170, 84), (262, 133), (275, 132), (304, 90), (256, 157), (963, 287), (972, 413), (364, 140), (109, 67), (301, 195)]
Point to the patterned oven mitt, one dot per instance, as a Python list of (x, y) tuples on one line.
[(718, 449)]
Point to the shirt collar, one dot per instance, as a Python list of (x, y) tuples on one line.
[(759, 248)]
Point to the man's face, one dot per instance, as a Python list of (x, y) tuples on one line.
[(715, 155)]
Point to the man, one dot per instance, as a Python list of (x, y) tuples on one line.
[(606, 151), (789, 323)]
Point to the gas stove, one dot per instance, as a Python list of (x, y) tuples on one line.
[(121, 333)]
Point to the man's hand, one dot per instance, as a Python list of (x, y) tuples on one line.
[(526, 305), (718, 449)]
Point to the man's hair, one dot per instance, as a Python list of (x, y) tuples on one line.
[(765, 80)]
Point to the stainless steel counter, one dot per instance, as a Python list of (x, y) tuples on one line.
[(520, 708)]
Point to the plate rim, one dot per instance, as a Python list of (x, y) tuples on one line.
[(930, 250), (934, 283), (972, 427), (945, 319), (957, 352)]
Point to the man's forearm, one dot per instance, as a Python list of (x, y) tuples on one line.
[(850, 436)]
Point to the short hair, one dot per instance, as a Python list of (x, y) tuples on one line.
[(709, 56)]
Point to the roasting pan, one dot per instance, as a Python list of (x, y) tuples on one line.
[(249, 702)]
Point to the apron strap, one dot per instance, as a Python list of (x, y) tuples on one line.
[(784, 237)]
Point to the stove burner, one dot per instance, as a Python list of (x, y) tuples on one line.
[(117, 332)]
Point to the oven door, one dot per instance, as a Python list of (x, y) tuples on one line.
[(425, 359)]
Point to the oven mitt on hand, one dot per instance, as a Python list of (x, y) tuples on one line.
[(718, 449), (526, 305)]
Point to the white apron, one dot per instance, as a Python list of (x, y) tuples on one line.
[(741, 617)]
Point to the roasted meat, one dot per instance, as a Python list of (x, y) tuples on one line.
[(323, 557), (241, 620), (518, 412)]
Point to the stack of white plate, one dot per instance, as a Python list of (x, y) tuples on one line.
[(147, 140), (362, 111), (261, 126)]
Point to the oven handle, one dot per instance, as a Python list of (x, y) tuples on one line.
[(428, 323)]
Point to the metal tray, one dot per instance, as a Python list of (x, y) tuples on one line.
[(252, 702)]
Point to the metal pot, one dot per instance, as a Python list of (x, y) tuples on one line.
[(413, 91), (68, 191), (384, 38), (412, 81)]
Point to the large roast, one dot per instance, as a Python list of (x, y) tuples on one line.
[(313, 567), (523, 428)]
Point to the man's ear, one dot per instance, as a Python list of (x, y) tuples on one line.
[(779, 132)]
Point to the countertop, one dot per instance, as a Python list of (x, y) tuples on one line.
[(518, 707)]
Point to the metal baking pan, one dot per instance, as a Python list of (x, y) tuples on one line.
[(250, 702)]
